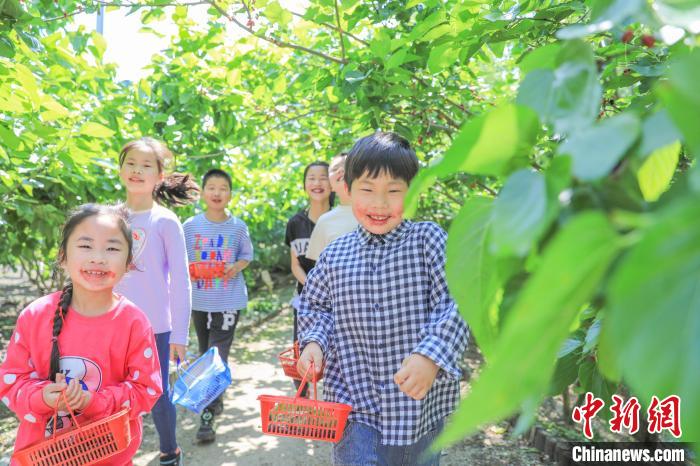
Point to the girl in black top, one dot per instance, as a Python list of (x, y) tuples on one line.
[(300, 226)]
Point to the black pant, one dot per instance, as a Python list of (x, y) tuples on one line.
[(215, 329), (296, 337)]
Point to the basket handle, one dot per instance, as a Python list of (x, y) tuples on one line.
[(55, 414), (306, 379), (180, 368)]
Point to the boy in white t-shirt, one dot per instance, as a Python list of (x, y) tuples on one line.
[(338, 221)]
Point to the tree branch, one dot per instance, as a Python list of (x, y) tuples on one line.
[(276, 42), (335, 28), (486, 188), (447, 118), (340, 30), (65, 15)]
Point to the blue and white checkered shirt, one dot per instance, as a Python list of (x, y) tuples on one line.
[(371, 301)]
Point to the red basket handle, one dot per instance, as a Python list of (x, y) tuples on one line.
[(55, 414), (306, 379)]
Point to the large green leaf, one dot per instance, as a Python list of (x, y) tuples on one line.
[(471, 270), (657, 171), (653, 321), (569, 96), (681, 94), (566, 278), (519, 213), (596, 150)]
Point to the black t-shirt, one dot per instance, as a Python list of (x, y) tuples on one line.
[(299, 230)]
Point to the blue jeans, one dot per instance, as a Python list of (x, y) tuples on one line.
[(361, 446), (164, 415)]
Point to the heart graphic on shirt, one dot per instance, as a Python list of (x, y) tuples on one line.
[(139, 237)]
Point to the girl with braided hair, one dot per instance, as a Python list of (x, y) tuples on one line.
[(84, 348)]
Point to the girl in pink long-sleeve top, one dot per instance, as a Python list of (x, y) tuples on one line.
[(86, 341)]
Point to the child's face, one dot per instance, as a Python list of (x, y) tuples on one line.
[(336, 172), (140, 172), (316, 183), (216, 194), (96, 253), (377, 203)]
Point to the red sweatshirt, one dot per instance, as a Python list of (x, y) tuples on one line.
[(112, 355)]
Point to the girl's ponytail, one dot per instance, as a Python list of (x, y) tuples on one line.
[(176, 190), (58, 318)]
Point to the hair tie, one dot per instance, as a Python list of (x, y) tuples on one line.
[(54, 339)]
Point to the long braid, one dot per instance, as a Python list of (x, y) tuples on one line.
[(59, 316)]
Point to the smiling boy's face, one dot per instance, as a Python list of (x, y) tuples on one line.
[(377, 203), (217, 193)]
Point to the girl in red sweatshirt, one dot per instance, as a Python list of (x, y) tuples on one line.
[(85, 340)]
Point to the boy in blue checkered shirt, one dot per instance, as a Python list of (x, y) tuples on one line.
[(377, 310)]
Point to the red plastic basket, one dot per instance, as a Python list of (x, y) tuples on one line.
[(207, 270), (84, 445), (285, 416), (289, 358)]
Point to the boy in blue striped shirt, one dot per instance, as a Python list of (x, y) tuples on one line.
[(377, 311), (218, 249)]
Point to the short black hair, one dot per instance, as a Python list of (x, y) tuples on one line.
[(381, 151), (217, 172)]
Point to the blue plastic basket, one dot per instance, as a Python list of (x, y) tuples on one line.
[(201, 382)]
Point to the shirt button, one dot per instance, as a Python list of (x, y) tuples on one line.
[(376, 307)]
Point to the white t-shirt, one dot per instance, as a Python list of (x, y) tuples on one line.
[(330, 226)]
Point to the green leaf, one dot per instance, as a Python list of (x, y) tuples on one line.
[(657, 171), (541, 57), (566, 369), (616, 13), (568, 97), (9, 138), (519, 214), (681, 95), (592, 335), (7, 47), (596, 150), (396, 59), (471, 270), (96, 130), (100, 44), (576, 260), (653, 321), (277, 14), (442, 56), (26, 79)]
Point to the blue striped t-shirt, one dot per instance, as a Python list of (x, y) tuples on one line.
[(227, 241)]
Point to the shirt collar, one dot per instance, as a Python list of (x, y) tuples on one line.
[(394, 235)]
